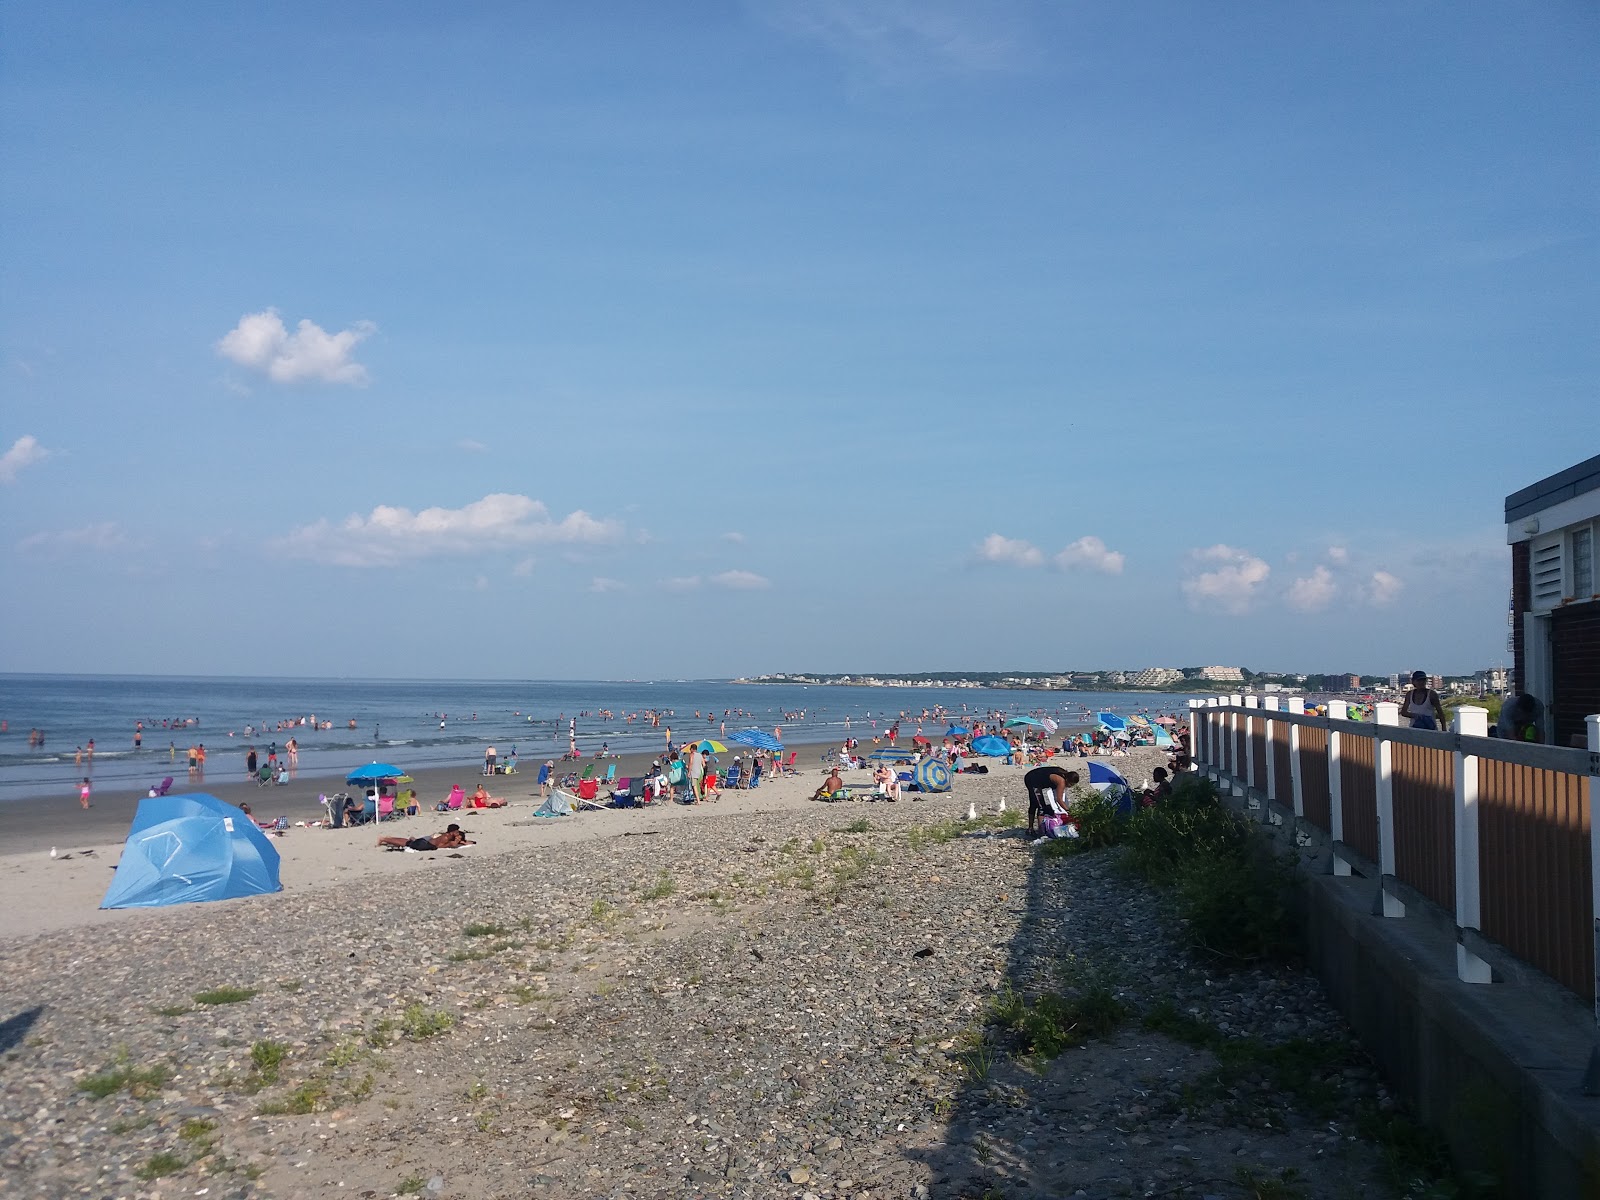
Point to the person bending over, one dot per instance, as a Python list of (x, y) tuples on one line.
[(449, 839), (1047, 793)]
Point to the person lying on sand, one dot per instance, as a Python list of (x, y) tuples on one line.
[(482, 799), (448, 840)]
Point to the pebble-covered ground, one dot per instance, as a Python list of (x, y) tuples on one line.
[(796, 1005)]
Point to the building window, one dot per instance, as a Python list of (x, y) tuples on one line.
[(1583, 563)]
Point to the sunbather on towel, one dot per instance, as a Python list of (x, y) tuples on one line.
[(831, 787), (448, 840), (482, 799)]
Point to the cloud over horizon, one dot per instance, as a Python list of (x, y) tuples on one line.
[(1230, 585), (261, 342), (390, 535), (101, 537), (997, 548), (1090, 553)]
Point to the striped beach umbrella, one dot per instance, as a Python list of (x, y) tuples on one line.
[(758, 739), (931, 775)]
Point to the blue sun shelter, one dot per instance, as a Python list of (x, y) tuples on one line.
[(183, 849)]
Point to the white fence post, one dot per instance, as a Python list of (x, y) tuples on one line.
[(1269, 728), (1234, 721), (1591, 1078), (1213, 751), (1297, 707), (1388, 904), (1196, 747), (1338, 710), (1251, 782), (1469, 722)]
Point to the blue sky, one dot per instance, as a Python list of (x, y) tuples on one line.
[(629, 340)]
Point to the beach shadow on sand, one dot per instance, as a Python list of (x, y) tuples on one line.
[(14, 1029)]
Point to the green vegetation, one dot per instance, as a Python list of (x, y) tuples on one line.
[(266, 1058), (663, 887), (161, 1163), (420, 1023), (859, 825), (140, 1082), (225, 995), (1056, 1021), (479, 929), (197, 1130), (1491, 703)]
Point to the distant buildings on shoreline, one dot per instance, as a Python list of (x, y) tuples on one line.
[(1202, 679)]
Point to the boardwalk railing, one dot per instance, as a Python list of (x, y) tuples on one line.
[(1498, 832)]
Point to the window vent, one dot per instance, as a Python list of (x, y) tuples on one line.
[(1544, 569), (1582, 563)]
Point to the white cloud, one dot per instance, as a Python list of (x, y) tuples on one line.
[(523, 569), (602, 584), (741, 581), (733, 535), (902, 40), (681, 583), (1091, 553), (1383, 589), (24, 452), (106, 536), (481, 583), (1012, 551), (261, 342), (389, 535), (1231, 585), (1313, 592), (1338, 555), (472, 446)]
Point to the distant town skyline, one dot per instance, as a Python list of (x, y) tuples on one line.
[(654, 340)]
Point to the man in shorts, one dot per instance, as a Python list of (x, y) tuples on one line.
[(1047, 793)]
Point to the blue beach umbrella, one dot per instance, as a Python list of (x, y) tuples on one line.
[(758, 739), (1024, 722), (994, 747), (373, 772), (1112, 722), (931, 775), (1112, 786), (888, 754), (958, 731)]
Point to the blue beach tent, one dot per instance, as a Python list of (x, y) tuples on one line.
[(182, 849)]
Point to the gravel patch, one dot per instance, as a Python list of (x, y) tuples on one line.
[(786, 1006)]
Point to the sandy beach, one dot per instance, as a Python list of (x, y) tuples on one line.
[(763, 997)]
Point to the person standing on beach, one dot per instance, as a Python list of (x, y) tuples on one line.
[(83, 793), (1421, 704), (544, 778), (89, 752), (250, 760), (697, 773)]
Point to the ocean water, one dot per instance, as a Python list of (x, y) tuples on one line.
[(426, 723)]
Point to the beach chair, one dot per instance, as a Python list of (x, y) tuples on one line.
[(385, 808), (265, 775), (787, 766), (162, 788), (755, 775), (611, 774), (622, 794), (588, 789), (588, 773), (732, 779)]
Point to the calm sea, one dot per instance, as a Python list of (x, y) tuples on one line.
[(424, 723)]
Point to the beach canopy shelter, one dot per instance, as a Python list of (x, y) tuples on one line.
[(1112, 786), (183, 849)]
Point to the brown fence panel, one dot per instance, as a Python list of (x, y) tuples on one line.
[(1359, 791), (1280, 763), (1425, 822), (1258, 753), (1241, 748), (1533, 848), (1314, 776)]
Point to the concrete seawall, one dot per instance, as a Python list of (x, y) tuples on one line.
[(1496, 1069)]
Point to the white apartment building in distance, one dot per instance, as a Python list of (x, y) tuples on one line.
[(1222, 674), (1154, 676)]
